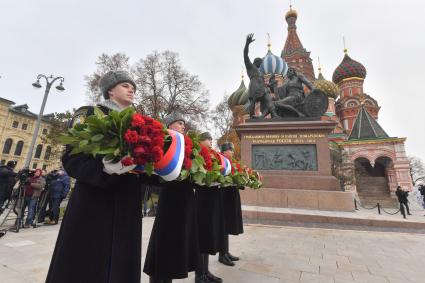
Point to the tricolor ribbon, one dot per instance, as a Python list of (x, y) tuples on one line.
[(225, 165), (170, 166)]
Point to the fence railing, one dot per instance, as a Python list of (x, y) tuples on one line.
[(378, 206)]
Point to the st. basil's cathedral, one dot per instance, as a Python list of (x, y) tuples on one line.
[(373, 163)]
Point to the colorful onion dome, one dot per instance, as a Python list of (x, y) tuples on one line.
[(329, 88), (348, 68), (243, 98), (236, 96), (291, 13), (273, 64)]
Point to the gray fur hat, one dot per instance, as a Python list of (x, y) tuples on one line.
[(205, 136), (227, 146), (172, 117), (111, 79)]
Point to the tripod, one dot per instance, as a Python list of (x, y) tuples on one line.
[(39, 207), (14, 205), (146, 199)]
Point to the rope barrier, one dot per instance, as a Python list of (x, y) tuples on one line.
[(390, 213), (378, 205)]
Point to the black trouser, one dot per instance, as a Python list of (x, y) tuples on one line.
[(403, 212), (225, 245), (203, 265), (4, 196), (56, 202)]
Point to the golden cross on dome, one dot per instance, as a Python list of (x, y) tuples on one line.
[(343, 42), (362, 98), (320, 67), (269, 45)]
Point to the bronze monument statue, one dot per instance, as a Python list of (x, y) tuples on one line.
[(290, 99), (257, 89)]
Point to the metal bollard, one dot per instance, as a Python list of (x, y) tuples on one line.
[(379, 208)]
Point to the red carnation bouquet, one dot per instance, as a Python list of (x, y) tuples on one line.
[(143, 141), (125, 139)]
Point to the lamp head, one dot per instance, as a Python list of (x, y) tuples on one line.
[(60, 87), (37, 84)]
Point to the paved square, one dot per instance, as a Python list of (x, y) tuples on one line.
[(268, 254)]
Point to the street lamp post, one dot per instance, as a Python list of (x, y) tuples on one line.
[(49, 82)]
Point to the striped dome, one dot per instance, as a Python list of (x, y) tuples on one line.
[(235, 97), (328, 87), (273, 64), (348, 68)]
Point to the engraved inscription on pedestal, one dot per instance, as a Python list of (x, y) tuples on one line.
[(285, 157)]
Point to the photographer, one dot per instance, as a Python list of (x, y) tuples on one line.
[(33, 187), (402, 199), (45, 195), (7, 181), (59, 189), (421, 189)]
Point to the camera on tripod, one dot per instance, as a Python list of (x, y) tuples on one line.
[(24, 174)]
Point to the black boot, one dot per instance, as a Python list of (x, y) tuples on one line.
[(222, 257), (225, 260), (154, 280), (231, 257), (200, 276), (211, 277)]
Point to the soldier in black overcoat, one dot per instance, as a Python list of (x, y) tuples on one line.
[(232, 211), (173, 249), (100, 236), (210, 213)]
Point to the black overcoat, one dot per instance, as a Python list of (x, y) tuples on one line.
[(232, 210), (210, 214), (173, 249), (100, 236)]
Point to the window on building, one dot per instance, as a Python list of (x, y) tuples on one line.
[(38, 151), (34, 166), (15, 124), (44, 132), (45, 167), (18, 149), (24, 126), (48, 152), (3, 162), (7, 146)]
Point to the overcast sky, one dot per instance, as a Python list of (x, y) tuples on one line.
[(65, 37)]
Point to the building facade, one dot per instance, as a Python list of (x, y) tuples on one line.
[(17, 125), (376, 160)]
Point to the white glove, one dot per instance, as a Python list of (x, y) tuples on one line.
[(116, 167)]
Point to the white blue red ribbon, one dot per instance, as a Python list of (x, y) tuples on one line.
[(170, 166), (225, 165)]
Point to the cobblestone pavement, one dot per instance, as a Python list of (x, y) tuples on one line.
[(268, 254)]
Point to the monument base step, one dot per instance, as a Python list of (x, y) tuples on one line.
[(330, 219), (303, 199)]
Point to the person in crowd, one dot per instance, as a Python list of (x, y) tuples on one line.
[(46, 196), (210, 214), (59, 189), (232, 211), (33, 188), (7, 182), (100, 236), (173, 249), (421, 190), (402, 199)]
